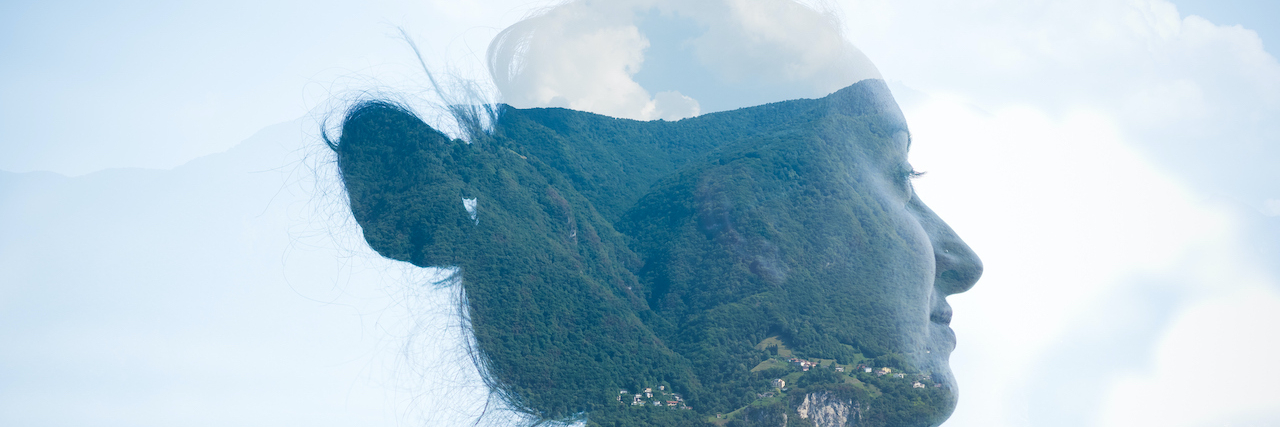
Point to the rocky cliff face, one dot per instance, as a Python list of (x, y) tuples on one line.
[(825, 409)]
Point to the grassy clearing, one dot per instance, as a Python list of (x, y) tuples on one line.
[(775, 341), (770, 363)]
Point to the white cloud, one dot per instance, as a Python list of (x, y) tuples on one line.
[(1215, 365), (1071, 143), (1070, 177), (672, 105), (578, 60), (1088, 247), (1094, 190), (714, 56), (1195, 95)]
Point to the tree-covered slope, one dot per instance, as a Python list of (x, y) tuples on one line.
[(610, 254)]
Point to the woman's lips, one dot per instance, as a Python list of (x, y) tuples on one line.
[(942, 340), (941, 314)]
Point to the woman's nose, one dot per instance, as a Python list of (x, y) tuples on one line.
[(957, 267)]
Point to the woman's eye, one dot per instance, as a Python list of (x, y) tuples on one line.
[(908, 173)]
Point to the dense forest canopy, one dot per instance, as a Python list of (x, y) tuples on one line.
[(606, 255)]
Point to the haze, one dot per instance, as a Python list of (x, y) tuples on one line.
[(1113, 162)]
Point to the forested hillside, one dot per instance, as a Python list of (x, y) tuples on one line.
[(609, 255)]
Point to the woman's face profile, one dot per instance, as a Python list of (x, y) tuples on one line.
[(818, 238), (925, 261), (719, 256), (606, 254)]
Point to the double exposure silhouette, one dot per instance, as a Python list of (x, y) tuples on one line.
[(745, 267)]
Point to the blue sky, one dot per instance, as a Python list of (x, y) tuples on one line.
[(1111, 161), (92, 85), (1254, 15)]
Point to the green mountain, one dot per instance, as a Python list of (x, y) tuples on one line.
[(693, 258)]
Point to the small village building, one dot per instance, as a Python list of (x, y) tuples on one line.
[(662, 387), (884, 371), (917, 384), (779, 384), (900, 375), (866, 369), (804, 365), (839, 369)]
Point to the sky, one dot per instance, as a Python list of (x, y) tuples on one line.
[(1110, 161)]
